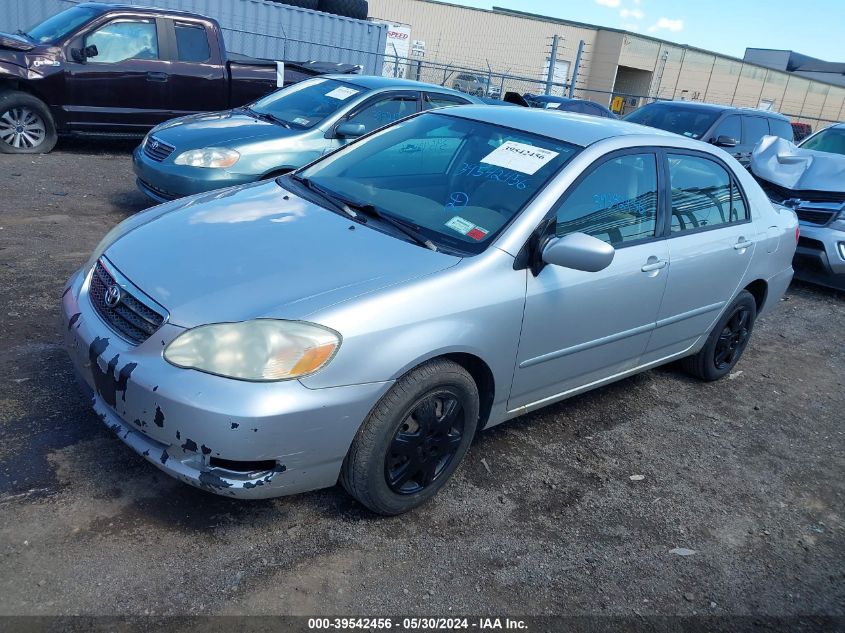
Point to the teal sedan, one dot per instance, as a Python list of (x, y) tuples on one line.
[(276, 134)]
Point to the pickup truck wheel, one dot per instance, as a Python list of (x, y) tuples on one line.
[(726, 342), (414, 439), (26, 126)]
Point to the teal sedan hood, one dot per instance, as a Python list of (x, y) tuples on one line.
[(220, 129)]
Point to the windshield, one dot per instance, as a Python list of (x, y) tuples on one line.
[(689, 122), (307, 103), (831, 140), (56, 27), (459, 182)]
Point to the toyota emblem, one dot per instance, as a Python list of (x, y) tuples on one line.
[(113, 295), (154, 145)]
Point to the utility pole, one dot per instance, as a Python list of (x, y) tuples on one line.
[(576, 69), (552, 63)]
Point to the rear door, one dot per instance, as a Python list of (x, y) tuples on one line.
[(711, 242), (124, 87), (198, 80)]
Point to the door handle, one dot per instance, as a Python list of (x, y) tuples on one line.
[(661, 263), (742, 245), (157, 76)]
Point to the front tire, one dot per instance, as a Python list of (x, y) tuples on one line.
[(414, 439), (26, 125), (726, 341)]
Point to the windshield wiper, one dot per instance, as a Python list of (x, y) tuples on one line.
[(405, 227), (24, 33), (332, 198), (268, 117), (355, 209)]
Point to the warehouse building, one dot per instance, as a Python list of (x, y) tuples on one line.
[(618, 68)]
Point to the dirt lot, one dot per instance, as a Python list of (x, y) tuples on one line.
[(747, 472)]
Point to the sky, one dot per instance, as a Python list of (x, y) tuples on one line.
[(812, 27)]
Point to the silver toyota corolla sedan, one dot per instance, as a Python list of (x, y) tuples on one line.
[(362, 318)]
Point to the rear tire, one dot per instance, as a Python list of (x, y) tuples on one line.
[(26, 125), (414, 439), (726, 341)]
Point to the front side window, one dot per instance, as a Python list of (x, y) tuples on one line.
[(308, 103), (731, 127), (457, 180), (688, 121), (703, 194), (616, 202), (830, 140), (385, 111), (122, 40), (756, 127), (191, 42)]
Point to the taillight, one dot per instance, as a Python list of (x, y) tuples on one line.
[(797, 233)]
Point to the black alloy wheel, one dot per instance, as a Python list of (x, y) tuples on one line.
[(425, 442)]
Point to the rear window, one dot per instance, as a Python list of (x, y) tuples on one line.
[(687, 121), (191, 43)]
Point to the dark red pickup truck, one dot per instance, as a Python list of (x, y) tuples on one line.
[(112, 70)]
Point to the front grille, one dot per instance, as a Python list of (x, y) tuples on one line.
[(781, 194), (133, 320), (815, 216), (156, 150)]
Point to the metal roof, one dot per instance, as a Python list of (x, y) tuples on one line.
[(578, 129)]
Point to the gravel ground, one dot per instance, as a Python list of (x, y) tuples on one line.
[(544, 516)]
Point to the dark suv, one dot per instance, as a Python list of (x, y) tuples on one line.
[(736, 129)]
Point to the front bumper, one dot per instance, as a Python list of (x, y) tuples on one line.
[(820, 256), (164, 181), (186, 423)]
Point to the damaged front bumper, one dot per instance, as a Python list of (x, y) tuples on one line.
[(820, 255), (230, 437)]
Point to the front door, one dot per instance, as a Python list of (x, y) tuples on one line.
[(581, 327), (710, 247), (379, 111), (123, 88)]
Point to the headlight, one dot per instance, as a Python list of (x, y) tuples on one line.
[(208, 157), (262, 350)]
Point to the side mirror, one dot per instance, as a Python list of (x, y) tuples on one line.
[(350, 130), (726, 141), (579, 251), (81, 54)]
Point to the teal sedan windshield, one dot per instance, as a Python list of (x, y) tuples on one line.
[(831, 140), (307, 103), (457, 181)]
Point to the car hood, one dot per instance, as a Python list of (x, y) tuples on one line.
[(261, 251), (219, 129), (15, 42), (782, 163)]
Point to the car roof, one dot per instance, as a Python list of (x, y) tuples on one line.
[(374, 82), (578, 129), (716, 107)]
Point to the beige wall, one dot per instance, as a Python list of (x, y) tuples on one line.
[(474, 38)]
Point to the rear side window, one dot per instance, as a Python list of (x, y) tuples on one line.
[(756, 128), (730, 126), (434, 100), (191, 43), (703, 194), (781, 128), (616, 202)]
